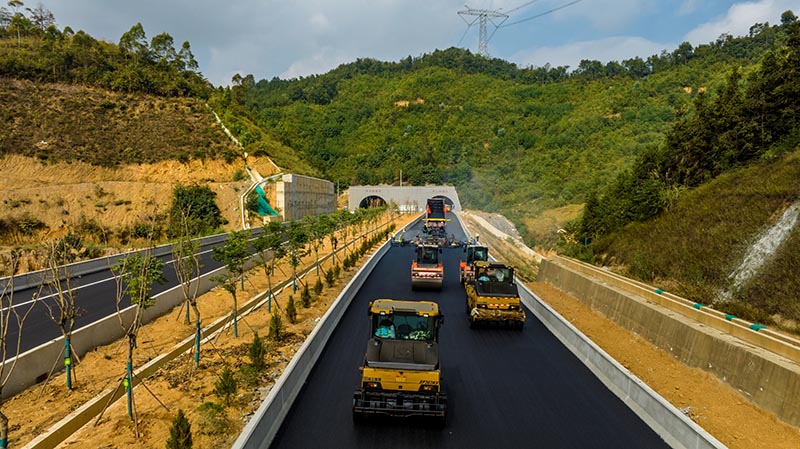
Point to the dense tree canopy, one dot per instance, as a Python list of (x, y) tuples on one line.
[(511, 139), (42, 52), (747, 118)]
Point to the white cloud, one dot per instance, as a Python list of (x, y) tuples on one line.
[(739, 18), (688, 7), (321, 62), (604, 50)]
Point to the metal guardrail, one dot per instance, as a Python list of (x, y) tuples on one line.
[(82, 268)]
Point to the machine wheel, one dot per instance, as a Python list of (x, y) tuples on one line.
[(358, 417)]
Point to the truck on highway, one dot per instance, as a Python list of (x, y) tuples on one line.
[(493, 297), (427, 271), (434, 230), (401, 375), (473, 252)]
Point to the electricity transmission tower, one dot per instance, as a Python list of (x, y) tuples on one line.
[(498, 19), (483, 16)]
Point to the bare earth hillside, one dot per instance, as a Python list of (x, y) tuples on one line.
[(104, 201)]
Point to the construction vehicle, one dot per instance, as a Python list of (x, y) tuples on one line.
[(436, 210), (427, 271), (434, 230), (401, 375), (473, 252), (492, 296)]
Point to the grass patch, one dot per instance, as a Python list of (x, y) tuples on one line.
[(701, 240)]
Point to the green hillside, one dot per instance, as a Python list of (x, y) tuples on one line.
[(68, 96), (667, 166), (693, 247), (512, 140)]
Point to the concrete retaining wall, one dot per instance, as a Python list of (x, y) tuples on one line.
[(264, 425), (769, 380), (298, 196), (665, 419)]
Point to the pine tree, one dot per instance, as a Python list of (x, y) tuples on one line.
[(318, 287), (226, 386), (275, 326), (257, 353), (180, 435), (305, 297), (291, 311)]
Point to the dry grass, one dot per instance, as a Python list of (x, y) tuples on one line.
[(63, 195)]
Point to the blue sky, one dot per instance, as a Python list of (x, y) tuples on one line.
[(291, 38)]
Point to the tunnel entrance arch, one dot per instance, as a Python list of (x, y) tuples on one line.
[(409, 199), (372, 201), (447, 200)]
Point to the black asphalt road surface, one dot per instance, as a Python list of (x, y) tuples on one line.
[(506, 389), (95, 296)]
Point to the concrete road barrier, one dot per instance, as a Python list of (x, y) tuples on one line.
[(666, 420), (264, 425), (769, 379)]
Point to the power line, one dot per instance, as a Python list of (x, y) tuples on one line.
[(542, 14), (486, 16)]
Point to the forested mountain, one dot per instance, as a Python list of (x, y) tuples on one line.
[(513, 140), (32, 47), (651, 146)]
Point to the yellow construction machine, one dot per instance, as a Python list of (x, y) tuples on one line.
[(492, 296), (427, 271), (473, 252), (401, 374)]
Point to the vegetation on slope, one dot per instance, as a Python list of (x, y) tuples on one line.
[(67, 122), (32, 47), (695, 245), (688, 211), (512, 140)]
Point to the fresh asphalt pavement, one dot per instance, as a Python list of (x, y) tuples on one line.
[(95, 298), (505, 388)]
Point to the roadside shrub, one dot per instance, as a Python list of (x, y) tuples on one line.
[(25, 225), (330, 277), (248, 375), (257, 353), (226, 386), (318, 287), (194, 207), (276, 327), (337, 271), (291, 311), (180, 435), (305, 297), (146, 230)]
